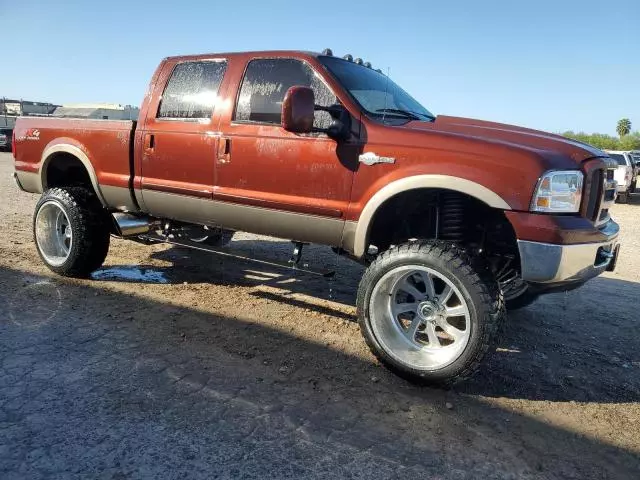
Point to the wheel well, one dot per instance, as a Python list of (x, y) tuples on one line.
[(65, 170), (431, 213)]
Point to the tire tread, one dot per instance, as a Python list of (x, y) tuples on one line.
[(474, 272)]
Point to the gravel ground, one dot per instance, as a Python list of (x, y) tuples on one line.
[(175, 364)]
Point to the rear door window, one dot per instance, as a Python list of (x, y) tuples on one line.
[(192, 91), (265, 84)]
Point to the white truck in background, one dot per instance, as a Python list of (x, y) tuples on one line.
[(626, 173)]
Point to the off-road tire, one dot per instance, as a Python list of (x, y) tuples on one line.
[(90, 226), (476, 283)]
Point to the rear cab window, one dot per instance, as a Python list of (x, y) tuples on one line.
[(265, 83), (192, 91)]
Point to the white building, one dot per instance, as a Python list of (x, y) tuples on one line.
[(104, 111)]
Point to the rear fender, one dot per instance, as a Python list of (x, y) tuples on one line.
[(49, 153)]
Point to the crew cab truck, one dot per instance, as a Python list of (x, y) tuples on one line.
[(455, 218)]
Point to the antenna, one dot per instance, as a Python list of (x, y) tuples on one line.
[(386, 89)]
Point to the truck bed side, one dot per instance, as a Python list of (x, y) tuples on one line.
[(53, 152)]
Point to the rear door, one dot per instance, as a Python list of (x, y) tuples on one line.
[(180, 138)]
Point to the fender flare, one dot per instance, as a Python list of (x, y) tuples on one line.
[(48, 154), (446, 182)]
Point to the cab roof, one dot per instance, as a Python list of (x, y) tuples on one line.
[(257, 53)]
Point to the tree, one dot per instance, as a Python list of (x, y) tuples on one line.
[(630, 141), (624, 127)]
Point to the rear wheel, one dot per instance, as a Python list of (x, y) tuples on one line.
[(429, 312), (71, 231)]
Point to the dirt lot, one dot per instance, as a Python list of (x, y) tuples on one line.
[(174, 364)]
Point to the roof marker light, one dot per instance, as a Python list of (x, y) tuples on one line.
[(359, 61), (328, 52), (367, 64), (348, 57)]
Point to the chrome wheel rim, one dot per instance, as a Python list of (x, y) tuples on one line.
[(420, 317), (54, 235)]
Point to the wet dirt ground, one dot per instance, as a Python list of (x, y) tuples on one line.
[(171, 363)]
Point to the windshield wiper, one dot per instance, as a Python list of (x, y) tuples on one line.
[(404, 113)]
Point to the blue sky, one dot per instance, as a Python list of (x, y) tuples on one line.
[(553, 65)]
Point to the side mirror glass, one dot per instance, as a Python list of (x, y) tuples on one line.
[(297, 110)]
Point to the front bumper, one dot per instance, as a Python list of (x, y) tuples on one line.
[(546, 263)]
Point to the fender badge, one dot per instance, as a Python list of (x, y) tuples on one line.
[(370, 158)]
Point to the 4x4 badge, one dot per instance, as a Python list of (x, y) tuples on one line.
[(370, 158)]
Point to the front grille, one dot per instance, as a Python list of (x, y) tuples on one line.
[(594, 187), (599, 191)]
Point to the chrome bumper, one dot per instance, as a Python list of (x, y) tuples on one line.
[(549, 263)]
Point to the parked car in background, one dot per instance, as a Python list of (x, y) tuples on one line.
[(5, 140), (625, 175)]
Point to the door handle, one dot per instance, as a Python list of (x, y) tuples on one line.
[(224, 150), (149, 141)]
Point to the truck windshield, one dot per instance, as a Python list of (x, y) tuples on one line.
[(376, 93)]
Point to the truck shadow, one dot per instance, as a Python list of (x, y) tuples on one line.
[(564, 347), (173, 377)]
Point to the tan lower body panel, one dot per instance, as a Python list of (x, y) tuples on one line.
[(349, 236), (29, 181), (277, 223), (118, 198)]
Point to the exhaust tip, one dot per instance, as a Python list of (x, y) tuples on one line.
[(129, 225)]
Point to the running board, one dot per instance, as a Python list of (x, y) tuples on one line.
[(290, 265)]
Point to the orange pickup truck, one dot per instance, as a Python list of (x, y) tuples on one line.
[(457, 220)]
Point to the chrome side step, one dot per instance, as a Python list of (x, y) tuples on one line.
[(291, 264)]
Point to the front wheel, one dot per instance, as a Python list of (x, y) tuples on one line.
[(430, 312), (71, 231)]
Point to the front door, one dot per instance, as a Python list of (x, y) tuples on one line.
[(180, 141), (277, 182)]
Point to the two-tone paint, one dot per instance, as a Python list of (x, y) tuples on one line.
[(257, 177)]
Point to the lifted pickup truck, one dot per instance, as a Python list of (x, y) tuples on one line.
[(453, 217)]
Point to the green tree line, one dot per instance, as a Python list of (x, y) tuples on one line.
[(603, 141), (627, 140)]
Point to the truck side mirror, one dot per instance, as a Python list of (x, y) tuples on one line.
[(297, 110)]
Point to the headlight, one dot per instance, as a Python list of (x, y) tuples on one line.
[(558, 191)]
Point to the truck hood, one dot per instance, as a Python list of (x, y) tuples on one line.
[(542, 143)]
